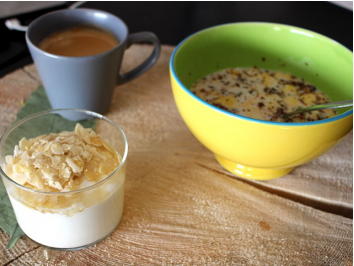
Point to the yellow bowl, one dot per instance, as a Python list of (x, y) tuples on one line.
[(252, 148)]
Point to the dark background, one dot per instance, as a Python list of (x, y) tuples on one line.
[(174, 21)]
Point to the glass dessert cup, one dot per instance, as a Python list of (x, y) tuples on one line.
[(71, 219)]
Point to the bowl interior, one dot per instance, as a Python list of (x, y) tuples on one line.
[(317, 59)]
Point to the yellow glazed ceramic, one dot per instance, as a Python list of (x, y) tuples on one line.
[(251, 148)]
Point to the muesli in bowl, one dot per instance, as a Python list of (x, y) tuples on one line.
[(250, 146)]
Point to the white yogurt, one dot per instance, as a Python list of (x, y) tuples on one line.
[(74, 231), (70, 187)]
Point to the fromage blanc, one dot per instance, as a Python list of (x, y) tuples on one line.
[(65, 199)]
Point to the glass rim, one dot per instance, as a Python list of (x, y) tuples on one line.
[(51, 111)]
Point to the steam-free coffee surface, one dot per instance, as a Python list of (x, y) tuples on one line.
[(79, 41)]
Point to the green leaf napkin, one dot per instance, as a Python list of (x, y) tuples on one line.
[(37, 102), (8, 221)]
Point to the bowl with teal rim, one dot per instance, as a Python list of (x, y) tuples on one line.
[(247, 147)]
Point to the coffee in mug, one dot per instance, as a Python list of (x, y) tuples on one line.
[(78, 80), (83, 40)]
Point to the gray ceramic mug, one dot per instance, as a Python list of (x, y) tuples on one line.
[(85, 82)]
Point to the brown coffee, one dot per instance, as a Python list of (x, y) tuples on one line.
[(79, 41)]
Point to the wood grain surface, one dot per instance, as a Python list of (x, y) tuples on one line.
[(182, 208)]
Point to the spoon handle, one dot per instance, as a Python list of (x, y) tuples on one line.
[(322, 106)]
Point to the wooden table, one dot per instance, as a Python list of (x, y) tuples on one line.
[(182, 208)]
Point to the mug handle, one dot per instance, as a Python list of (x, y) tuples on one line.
[(141, 37)]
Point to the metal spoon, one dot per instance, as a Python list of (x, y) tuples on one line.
[(320, 107)]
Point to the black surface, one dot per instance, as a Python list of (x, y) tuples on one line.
[(174, 21)]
